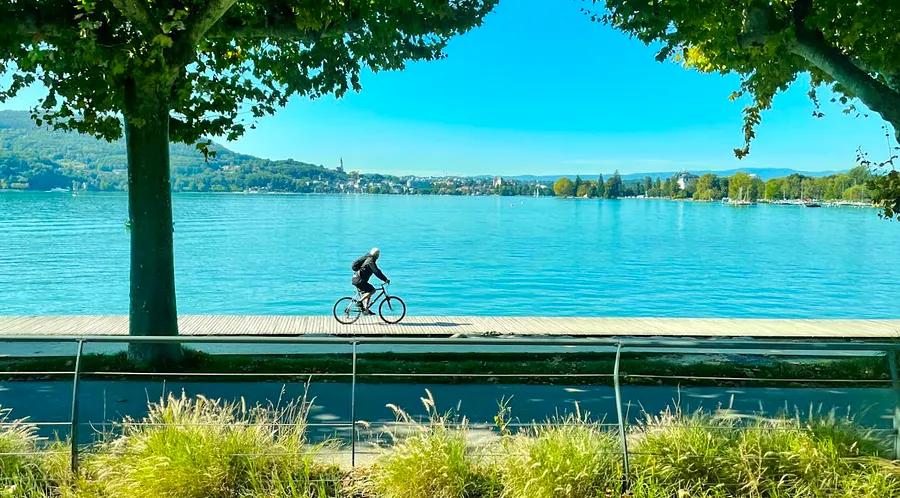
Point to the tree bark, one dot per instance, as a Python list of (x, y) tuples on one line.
[(152, 310)]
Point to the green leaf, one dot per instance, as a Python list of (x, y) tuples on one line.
[(162, 40)]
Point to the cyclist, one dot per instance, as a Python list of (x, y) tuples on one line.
[(363, 268)]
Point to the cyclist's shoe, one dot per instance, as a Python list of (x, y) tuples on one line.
[(367, 312)]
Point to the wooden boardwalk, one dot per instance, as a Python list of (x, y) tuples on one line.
[(199, 325)]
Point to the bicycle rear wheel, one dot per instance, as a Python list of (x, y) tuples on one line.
[(392, 309), (346, 310)]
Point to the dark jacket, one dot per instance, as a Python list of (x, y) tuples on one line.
[(366, 270)]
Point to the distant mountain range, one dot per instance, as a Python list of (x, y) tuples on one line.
[(763, 173)]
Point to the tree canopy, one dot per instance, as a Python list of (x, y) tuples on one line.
[(601, 187), (615, 188), (744, 187), (564, 187), (850, 47), (709, 187), (586, 188), (886, 192), (219, 63)]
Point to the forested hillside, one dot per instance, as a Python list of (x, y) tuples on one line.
[(38, 158)]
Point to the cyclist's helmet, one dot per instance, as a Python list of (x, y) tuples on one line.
[(375, 252)]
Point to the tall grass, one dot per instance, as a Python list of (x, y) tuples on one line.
[(720, 454), (203, 448), (429, 459), (27, 469), (568, 457)]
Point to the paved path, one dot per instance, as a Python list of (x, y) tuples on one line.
[(466, 325)]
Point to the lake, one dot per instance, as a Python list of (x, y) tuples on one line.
[(291, 254)]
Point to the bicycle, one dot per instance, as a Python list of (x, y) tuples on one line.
[(392, 309)]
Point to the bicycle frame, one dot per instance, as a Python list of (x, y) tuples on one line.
[(375, 297)]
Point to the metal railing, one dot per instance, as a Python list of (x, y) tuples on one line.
[(847, 348)]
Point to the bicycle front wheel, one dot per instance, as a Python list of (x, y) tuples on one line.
[(346, 310), (392, 309)]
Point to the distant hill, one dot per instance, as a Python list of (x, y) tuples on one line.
[(763, 173), (39, 158)]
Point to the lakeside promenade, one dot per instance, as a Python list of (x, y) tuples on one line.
[(448, 326)]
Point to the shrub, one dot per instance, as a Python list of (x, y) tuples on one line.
[(565, 458), (202, 448)]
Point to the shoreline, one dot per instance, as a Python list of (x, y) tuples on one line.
[(788, 202)]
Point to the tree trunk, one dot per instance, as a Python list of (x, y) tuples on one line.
[(152, 310)]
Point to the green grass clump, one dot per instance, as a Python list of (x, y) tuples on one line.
[(26, 469), (202, 448), (566, 458), (429, 460), (680, 456), (876, 479), (721, 455)]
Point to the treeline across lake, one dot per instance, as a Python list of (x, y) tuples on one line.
[(850, 186), (613, 188)]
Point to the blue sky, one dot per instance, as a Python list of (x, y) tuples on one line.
[(539, 89)]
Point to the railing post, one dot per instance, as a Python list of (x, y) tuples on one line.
[(73, 430), (893, 360), (353, 410), (623, 437)]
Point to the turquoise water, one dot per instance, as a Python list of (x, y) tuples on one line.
[(290, 254)]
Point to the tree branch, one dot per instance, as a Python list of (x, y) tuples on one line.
[(205, 19), (136, 12), (761, 23), (891, 80), (812, 46), (197, 26)]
